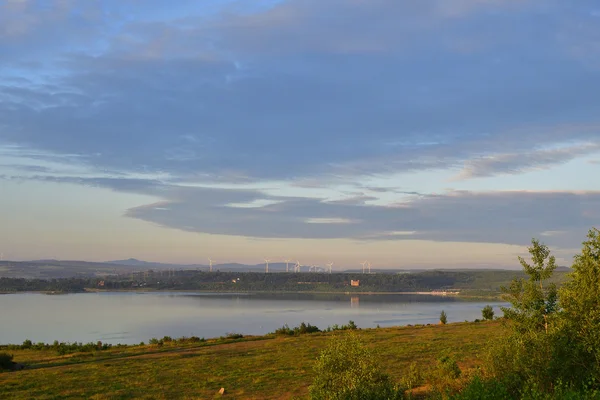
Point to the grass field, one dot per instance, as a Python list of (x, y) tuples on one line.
[(266, 367)]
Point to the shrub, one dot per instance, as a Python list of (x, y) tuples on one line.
[(306, 328), (347, 370), (444, 376), (481, 389), (413, 377), (284, 330), (487, 313), (6, 361), (351, 325), (232, 335), (335, 327), (448, 368), (443, 317)]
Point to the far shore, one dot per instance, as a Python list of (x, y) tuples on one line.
[(454, 294)]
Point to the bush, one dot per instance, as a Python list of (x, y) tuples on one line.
[(6, 361), (232, 335), (480, 389), (443, 317), (448, 368), (306, 328), (488, 313), (284, 330), (347, 370), (413, 377), (350, 326), (444, 377)]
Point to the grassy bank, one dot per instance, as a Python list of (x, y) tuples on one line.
[(265, 367)]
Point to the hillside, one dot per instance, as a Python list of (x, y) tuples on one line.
[(266, 367)]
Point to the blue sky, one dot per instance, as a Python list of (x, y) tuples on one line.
[(427, 134)]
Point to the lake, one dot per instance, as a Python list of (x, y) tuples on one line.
[(132, 317)]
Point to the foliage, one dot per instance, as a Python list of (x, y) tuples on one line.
[(444, 376), (350, 326), (233, 335), (413, 377), (580, 314), (496, 389), (347, 370), (443, 317), (479, 388), (301, 329), (552, 347), (532, 304), (487, 313), (479, 282), (6, 361), (526, 353), (60, 347)]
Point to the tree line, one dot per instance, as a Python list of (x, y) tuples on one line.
[(485, 281)]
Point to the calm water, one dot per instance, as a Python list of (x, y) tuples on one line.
[(135, 317)]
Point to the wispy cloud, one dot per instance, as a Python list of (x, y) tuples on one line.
[(317, 96), (516, 163), (126, 94), (460, 216)]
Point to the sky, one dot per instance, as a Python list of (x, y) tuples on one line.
[(430, 134)]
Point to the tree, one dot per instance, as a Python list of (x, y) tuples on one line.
[(488, 313), (532, 304), (526, 355), (443, 317), (347, 370), (580, 314)]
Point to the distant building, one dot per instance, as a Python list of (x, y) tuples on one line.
[(101, 283), (354, 283)]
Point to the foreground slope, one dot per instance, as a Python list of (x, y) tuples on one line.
[(266, 367)]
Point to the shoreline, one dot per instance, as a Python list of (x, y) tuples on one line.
[(453, 294)]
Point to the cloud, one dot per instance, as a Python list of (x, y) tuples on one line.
[(460, 216), (293, 90), (508, 217), (516, 163)]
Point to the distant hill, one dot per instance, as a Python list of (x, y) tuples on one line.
[(48, 269)]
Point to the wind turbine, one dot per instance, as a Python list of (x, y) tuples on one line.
[(267, 265), (287, 265), (330, 265), (369, 266), (364, 263), (210, 262), (297, 266)]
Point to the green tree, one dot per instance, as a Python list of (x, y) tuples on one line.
[(533, 305), (488, 313), (580, 314), (526, 354), (347, 370), (443, 317)]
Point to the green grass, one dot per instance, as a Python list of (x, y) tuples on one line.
[(265, 367)]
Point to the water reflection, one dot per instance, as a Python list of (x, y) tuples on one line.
[(134, 317)]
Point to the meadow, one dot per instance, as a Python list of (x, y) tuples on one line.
[(259, 367)]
